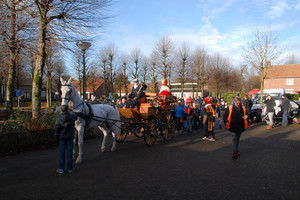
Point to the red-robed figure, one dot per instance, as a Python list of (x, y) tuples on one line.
[(164, 90)]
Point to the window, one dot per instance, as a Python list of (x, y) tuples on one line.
[(293, 105), (289, 81)]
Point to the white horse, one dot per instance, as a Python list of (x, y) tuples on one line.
[(104, 115)]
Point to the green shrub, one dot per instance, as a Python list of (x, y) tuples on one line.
[(294, 97), (228, 96), (25, 121)]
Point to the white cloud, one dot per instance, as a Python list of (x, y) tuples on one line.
[(278, 9), (298, 5), (214, 7)]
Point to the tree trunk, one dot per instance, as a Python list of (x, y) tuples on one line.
[(12, 62), (261, 88), (39, 66), (48, 93), (181, 89)]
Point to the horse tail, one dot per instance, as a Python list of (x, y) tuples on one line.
[(117, 126)]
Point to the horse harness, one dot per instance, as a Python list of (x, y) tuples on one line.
[(88, 118)]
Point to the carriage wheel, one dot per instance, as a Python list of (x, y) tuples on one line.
[(168, 129), (150, 134), (122, 136), (139, 132)]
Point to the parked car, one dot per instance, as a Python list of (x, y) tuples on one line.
[(258, 113)]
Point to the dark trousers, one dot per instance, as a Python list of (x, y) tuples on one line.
[(196, 125), (179, 125), (63, 145), (207, 132), (235, 142)]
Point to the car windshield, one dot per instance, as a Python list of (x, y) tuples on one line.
[(293, 105)]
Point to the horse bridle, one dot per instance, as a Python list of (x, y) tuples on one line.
[(68, 98)]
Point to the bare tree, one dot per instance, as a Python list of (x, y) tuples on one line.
[(153, 73), (183, 56), (292, 59), (199, 68), (66, 20), (52, 60), (102, 56), (144, 69), (164, 50), (124, 60), (14, 21), (243, 75), (231, 80), (93, 77), (217, 66), (253, 82), (135, 57), (111, 51), (59, 71), (76, 65), (261, 51)]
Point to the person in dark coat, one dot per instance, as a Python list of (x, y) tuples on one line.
[(130, 103), (285, 106), (222, 108), (64, 134), (137, 90), (248, 104), (235, 118)]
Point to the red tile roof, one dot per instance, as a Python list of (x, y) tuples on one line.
[(89, 87), (291, 70)]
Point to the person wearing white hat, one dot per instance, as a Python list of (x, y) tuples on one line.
[(137, 90)]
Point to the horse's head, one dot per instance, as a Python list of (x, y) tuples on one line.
[(66, 91)]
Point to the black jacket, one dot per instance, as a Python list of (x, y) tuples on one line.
[(285, 104), (248, 105), (65, 126), (270, 105), (137, 92), (130, 103), (237, 124), (222, 109)]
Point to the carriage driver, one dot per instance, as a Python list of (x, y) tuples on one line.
[(137, 91)]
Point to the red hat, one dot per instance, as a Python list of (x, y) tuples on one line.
[(207, 100)]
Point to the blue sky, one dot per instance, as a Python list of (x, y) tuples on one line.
[(216, 25)]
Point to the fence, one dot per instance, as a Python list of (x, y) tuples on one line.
[(14, 139)]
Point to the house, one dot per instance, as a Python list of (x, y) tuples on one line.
[(189, 89), (25, 85), (95, 89), (285, 77)]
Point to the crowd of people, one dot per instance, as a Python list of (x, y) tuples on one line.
[(191, 115)]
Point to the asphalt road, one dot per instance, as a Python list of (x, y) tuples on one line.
[(184, 168)]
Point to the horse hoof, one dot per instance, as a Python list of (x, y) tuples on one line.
[(113, 150), (78, 161), (103, 150)]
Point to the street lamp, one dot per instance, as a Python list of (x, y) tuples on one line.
[(83, 46)]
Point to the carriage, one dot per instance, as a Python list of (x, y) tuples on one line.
[(153, 117)]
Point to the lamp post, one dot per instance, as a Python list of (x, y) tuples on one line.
[(83, 46)]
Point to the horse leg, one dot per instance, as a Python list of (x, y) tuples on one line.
[(105, 133), (80, 144), (114, 146)]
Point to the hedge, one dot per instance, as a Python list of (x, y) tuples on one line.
[(228, 96)]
